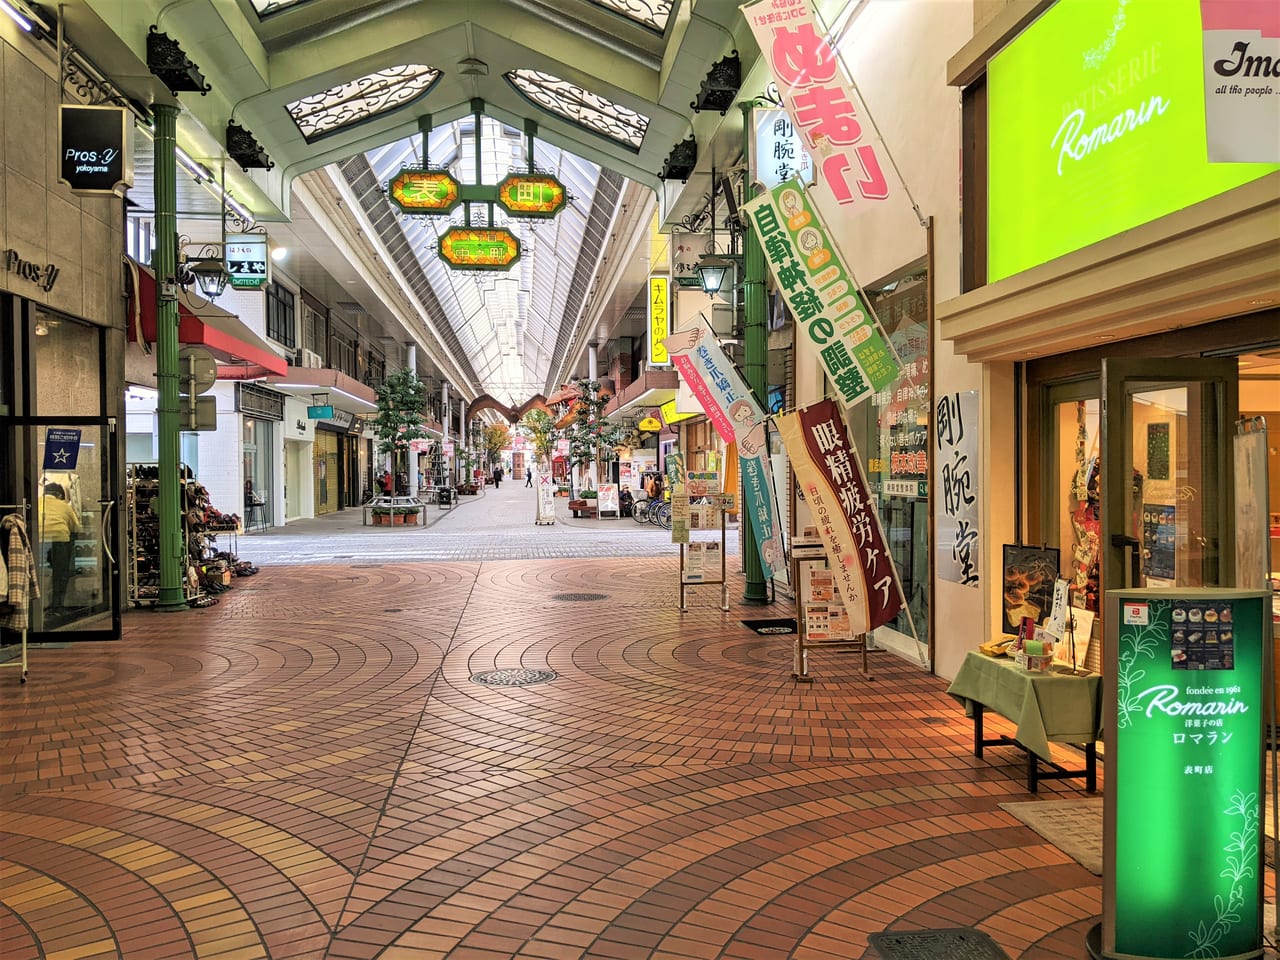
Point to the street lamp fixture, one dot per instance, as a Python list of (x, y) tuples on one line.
[(712, 271)]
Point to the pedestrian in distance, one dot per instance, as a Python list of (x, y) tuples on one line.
[(497, 477), (528, 476)]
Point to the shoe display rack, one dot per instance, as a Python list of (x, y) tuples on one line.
[(207, 569), (142, 492)]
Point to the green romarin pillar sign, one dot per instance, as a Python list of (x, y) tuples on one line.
[(1183, 814)]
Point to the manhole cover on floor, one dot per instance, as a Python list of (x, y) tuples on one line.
[(365, 566), (963, 943), (393, 610), (936, 721), (516, 677), (573, 597)]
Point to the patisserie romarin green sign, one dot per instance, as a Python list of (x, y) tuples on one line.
[(1183, 831), (1096, 125)]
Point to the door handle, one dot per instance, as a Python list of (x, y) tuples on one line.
[(107, 506), (1123, 541)]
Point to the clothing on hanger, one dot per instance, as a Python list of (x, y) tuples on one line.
[(24, 584)]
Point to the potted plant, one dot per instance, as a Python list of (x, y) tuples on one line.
[(399, 516)]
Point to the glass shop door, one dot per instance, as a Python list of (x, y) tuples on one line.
[(1166, 518), (68, 477)]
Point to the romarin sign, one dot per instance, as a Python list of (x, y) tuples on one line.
[(1096, 123), (470, 248)]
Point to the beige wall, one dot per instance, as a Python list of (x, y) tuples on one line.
[(42, 220), (898, 52)]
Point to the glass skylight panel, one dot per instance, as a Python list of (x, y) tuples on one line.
[(355, 101), (652, 13), (588, 110), (264, 7)]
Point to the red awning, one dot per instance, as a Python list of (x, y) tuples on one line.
[(241, 353)]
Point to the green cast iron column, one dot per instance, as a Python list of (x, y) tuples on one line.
[(755, 356), (164, 262)]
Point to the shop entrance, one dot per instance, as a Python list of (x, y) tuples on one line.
[(1167, 511), (1163, 517)]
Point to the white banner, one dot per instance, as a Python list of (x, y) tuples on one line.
[(851, 163), (1242, 80), (957, 485)]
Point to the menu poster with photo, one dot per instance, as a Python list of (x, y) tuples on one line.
[(821, 583), (1158, 535), (827, 621), (702, 561), (1157, 451)]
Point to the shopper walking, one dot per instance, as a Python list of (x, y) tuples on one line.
[(58, 526), (528, 476), (497, 477)]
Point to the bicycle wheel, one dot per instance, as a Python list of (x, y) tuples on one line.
[(638, 510), (662, 516)]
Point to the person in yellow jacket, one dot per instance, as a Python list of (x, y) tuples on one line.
[(58, 527)]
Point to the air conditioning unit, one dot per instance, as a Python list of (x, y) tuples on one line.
[(307, 358)]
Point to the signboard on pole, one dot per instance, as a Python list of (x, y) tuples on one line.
[(247, 260), (827, 468), (659, 313), (737, 417), (834, 320), (1183, 873), (95, 149), (957, 521), (852, 164)]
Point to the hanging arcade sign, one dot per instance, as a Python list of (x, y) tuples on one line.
[(486, 248), (531, 195), (415, 190)]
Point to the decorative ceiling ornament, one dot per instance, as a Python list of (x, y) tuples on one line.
[(346, 104), (653, 14), (588, 110)]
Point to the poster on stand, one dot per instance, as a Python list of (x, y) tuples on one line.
[(1241, 97), (607, 499), (546, 510), (828, 471), (702, 561)]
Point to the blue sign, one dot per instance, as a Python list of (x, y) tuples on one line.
[(61, 448), (320, 413)]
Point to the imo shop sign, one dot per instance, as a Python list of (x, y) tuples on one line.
[(95, 149)]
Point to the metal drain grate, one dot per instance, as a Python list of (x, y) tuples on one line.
[(963, 943), (935, 721), (365, 566), (393, 610), (516, 677), (576, 597)]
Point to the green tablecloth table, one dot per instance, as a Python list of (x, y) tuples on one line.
[(1043, 706)]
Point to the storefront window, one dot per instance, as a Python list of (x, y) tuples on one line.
[(68, 381), (892, 434), (257, 465)]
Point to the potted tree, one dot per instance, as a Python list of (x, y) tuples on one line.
[(395, 516)]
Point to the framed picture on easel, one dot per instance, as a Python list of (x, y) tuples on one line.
[(1029, 574)]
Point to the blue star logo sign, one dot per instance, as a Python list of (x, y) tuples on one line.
[(61, 456)]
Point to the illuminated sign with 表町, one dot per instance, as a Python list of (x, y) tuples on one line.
[(1096, 125), (424, 191), (479, 248)]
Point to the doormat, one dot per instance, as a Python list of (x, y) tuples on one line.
[(767, 627), (1073, 826), (963, 943)]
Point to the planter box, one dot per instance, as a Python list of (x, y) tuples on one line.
[(394, 520)]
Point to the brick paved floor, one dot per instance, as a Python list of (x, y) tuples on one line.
[(307, 770)]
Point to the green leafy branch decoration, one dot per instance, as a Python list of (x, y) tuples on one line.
[(1242, 854), (1143, 642)]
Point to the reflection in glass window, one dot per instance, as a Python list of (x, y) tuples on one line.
[(892, 435), (588, 110), (355, 101), (651, 13)]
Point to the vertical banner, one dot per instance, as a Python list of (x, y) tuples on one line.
[(737, 417), (1253, 523), (659, 311), (827, 469), (851, 161), (546, 507), (1183, 826), (834, 320), (957, 464), (1241, 81), (779, 152)]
